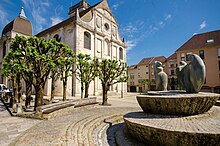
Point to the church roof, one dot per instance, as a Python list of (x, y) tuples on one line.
[(208, 39), (19, 24), (57, 26)]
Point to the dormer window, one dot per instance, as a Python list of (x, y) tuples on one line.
[(210, 41)]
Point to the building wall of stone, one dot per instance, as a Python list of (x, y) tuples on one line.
[(171, 65), (73, 35), (141, 71)]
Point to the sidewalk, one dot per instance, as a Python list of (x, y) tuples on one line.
[(11, 127)]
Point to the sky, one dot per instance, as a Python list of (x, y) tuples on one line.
[(150, 27)]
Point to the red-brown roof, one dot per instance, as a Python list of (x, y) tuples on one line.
[(200, 41), (151, 60), (172, 57), (132, 66), (20, 25)]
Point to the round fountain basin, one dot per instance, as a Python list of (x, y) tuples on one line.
[(176, 102), (172, 130)]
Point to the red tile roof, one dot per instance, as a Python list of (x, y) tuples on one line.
[(151, 60), (172, 57), (132, 66), (200, 41)]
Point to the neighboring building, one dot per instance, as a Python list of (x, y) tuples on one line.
[(207, 46), (21, 26), (143, 70), (90, 30), (171, 71)]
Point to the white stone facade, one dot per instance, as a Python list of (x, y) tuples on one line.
[(106, 43)]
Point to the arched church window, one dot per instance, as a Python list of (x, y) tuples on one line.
[(57, 37), (121, 53), (107, 47), (4, 49), (87, 40)]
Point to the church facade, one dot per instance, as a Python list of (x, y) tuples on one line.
[(89, 30)]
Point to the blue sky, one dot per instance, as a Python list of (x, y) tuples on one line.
[(150, 27)]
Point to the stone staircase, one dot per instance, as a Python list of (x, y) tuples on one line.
[(92, 125), (91, 130)]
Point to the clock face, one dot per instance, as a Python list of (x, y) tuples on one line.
[(98, 22)]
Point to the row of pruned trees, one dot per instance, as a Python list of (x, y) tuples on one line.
[(35, 60)]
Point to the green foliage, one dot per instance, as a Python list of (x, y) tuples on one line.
[(111, 72), (144, 83), (34, 58), (86, 71)]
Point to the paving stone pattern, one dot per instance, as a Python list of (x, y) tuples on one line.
[(82, 126), (11, 127)]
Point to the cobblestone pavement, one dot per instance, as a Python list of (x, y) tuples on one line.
[(81, 126), (11, 127)]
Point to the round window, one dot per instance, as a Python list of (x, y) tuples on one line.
[(106, 26)]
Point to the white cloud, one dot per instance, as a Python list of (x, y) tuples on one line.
[(38, 11), (202, 25), (133, 33), (130, 45), (160, 24), (116, 5), (167, 17), (3, 17), (131, 29), (55, 20)]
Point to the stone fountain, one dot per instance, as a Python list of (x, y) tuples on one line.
[(177, 118)]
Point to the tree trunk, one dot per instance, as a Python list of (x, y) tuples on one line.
[(19, 85), (52, 89), (82, 90), (64, 89), (86, 90), (28, 94), (39, 96), (104, 95), (15, 89)]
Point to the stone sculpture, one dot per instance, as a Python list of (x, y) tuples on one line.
[(179, 75), (192, 75), (160, 77)]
